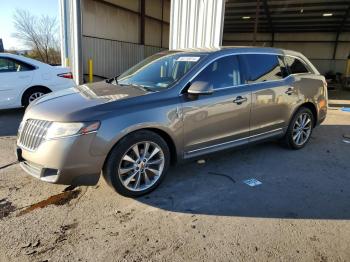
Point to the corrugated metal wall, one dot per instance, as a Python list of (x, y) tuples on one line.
[(112, 57), (196, 23), (115, 37)]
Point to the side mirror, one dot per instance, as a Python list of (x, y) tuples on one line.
[(200, 88)]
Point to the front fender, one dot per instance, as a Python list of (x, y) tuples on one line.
[(112, 130)]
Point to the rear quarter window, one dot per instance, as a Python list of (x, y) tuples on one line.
[(295, 65), (13, 65)]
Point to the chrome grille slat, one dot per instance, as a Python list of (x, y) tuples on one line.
[(36, 136), (25, 137), (39, 135), (33, 133), (30, 132), (42, 133), (21, 134)]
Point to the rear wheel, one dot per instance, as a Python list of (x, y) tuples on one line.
[(137, 164), (32, 94), (300, 129)]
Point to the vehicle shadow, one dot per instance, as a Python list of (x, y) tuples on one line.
[(312, 183), (9, 121)]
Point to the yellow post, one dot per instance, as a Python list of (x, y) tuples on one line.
[(347, 73), (91, 78), (67, 62)]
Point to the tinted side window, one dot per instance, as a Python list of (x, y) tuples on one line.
[(224, 72), (262, 68), (12, 65), (295, 65)]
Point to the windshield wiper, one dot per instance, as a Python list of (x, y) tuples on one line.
[(113, 79), (144, 88), (110, 80)]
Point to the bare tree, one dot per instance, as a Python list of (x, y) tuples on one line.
[(38, 33)]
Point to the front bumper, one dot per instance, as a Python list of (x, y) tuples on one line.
[(67, 161)]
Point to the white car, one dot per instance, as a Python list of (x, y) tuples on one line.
[(22, 80)]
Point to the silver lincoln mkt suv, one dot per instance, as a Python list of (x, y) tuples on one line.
[(172, 106)]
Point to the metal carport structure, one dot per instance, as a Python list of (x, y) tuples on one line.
[(116, 34), (318, 28)]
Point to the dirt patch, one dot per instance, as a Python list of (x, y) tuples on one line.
[(6, 208), (58, 200), (124, 217), (63, 232)]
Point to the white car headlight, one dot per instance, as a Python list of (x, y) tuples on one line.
[(59, 129)]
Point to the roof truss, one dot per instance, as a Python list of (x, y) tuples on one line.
[(288, 16)]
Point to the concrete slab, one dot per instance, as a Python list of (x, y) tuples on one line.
[(300, 212)]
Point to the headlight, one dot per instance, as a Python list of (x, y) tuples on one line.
[(58, 129)]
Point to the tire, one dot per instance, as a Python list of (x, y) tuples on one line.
[(291, 137), (33, 92), (134, 179)]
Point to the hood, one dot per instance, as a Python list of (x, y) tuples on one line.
[(57, 106)]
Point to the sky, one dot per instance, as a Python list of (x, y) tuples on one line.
[(35, 7)]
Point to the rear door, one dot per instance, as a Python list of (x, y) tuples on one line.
[(15, 76), (273, 96), (213, 122)]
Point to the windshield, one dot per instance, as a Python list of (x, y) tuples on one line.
[(159, 71)]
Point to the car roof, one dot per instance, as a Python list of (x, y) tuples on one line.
[(223, 50), (239, 49)]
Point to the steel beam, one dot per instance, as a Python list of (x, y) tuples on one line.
[(243, 5), (142, 21), (288, 41), (77, 63), (269, 20), (256, 22), (162, 24), (340, 30)]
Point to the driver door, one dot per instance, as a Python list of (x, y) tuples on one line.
[(219, 120)]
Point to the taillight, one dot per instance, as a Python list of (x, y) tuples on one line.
[(325, 88), (325, 84), (68, 75)]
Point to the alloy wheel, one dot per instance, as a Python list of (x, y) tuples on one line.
[(302, 129), (141, 166), (34, 96)]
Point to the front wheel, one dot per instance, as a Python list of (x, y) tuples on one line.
[(300, 129), (137, 164)]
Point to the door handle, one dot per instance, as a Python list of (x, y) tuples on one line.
[(239, 100), (23, 77), (289, 91)]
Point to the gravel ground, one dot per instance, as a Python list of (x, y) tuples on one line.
[(204, 212)]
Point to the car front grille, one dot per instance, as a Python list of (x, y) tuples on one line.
[(33, 133)]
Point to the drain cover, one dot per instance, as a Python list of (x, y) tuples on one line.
[(252, 182)]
